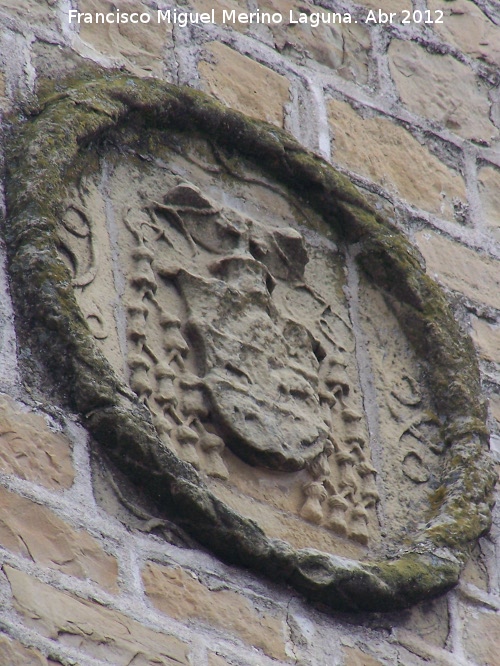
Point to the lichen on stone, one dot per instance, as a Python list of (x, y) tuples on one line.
[(51, 149)]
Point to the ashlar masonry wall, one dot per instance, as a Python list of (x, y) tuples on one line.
[(411, 112)]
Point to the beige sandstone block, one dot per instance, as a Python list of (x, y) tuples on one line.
[(244, 84), (355, 657), (178, 594), (342, 47), (489, 190), (36, 533), (389, 155), (99, 632), (13, 653), (140, 46), (30, 450), (481, 637), (468, 28), (460, 268), (442, 89), (487, 339)]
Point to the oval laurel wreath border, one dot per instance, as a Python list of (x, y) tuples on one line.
[(47, 151)]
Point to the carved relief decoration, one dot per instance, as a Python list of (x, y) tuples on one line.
[(240, 350)]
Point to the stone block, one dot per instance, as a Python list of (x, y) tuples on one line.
[(429, 620), (487, 339), (36, 533), (30, 450), (481, 637), (340, 46), (101, 633), (468, 28), (460, 268), (244, 84), (390, 156), (182, 596), (442, 89), (36, 12), (489, 190), (355, 657), (138, 46), (13, 653)]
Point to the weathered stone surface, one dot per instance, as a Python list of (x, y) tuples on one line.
[(36, 533), (460, 268), (487, 338), (281, 525), (343, 47), (257, 262), (30, 450), (355, 657), (489, 190), (216, 660), (244, 84), (179, 594), (221, 5), (387, 5), (495, 407), (481, 636), (468, 28), (99, 632), (138, 46), (13, 653), (389, 155), (39, 12), (429, 620), (440, 88), (246, 366), (475, 572)]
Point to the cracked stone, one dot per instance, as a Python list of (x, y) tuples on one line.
[(442, 89), (99, 632), (140, 47), (460, 268), (178, 594), (244, 84), (36, 533), (389, 155), (468, 28), (30, 450)]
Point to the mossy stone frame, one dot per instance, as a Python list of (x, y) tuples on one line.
[(49, 151)]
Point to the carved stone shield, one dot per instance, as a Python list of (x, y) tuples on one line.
[(248, 341)]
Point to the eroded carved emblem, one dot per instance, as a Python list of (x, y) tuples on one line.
[(277, 344)]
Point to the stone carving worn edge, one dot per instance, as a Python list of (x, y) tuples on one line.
[(46, 154)]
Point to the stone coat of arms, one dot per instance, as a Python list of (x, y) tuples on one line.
[(248, 342)]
